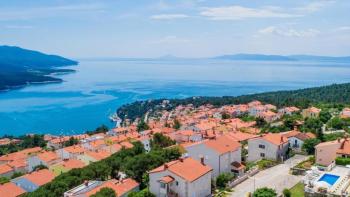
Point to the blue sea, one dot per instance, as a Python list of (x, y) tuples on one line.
[(87, 97)]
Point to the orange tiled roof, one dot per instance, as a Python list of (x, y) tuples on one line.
[(74, 149), (19, 163), (189, 169), (223, 144), (240, 136), (120, 187), (10, 190), (48, 156), (99, 155), (126, 144), (40, 177), (167, 179), (4, 168), (344, 147), (275, 138), (73, 163)]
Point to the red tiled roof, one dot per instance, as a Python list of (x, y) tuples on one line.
[(189, 169), (223, 144), (73, 163), (40, 177), (275, 138), (120, 187), (4, 168), (10, 190)]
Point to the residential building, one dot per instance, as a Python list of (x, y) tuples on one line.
[(11, 190), (32, 181), (46, 158), (219, 153), (122, 188), (327, 152), (311, 112), (185, 177), (296, 138), (268, 146)]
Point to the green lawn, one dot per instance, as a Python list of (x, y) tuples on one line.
[(298, 190), (58, 169)]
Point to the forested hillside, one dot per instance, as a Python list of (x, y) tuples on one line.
[(331, 94), (19, 67)]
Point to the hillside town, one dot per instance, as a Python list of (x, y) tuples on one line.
[(232, 150)]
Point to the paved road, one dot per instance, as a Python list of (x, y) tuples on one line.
[(277, 177)]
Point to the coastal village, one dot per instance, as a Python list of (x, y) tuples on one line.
[(232, 150)]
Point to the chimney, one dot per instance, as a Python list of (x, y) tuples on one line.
[(202, 161), (281, 138), (338, 139), (295, 128), (181, 159), (166, 166), (86, 183)]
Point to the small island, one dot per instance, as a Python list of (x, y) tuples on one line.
[(20, 67)]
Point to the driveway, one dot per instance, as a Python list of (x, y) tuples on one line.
[(277, 177)]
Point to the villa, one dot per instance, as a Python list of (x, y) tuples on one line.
[(183, 177), (268, 146), (311, 112), (327, 152), (219, 153), (296, 138)]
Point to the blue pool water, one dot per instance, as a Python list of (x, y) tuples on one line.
[(329, 178), (87, 97)]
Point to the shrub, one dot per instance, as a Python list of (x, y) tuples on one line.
[(265, 192), (342, 161), (287, 193), (223, 179)]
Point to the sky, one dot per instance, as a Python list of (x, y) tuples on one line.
[(184, 28)]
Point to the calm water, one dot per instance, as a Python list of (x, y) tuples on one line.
[(98, 88)]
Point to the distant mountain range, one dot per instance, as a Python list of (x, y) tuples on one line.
[(19, 67), (261, 57)]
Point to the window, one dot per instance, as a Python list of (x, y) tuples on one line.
[(262, 154), (162, 185), (261, 146), (177, 183)]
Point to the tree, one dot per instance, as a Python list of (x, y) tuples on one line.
[(223, 179), (161, 141), (142, 126), (260, 122), (313, 125), (143, 193), (287, 193), (336, 123), (325, 116), (225, 115), (309, 145), (177, 124), (105, 192), (72, 141), (265, 192)]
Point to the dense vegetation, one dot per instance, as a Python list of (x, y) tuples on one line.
[(336, 95), (135, 162), (26, 141), (20, 66)]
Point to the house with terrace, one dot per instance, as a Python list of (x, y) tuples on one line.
[(271, 146), (184, 177), (296, 138), (221, 153)]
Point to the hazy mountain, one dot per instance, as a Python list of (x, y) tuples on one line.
[(262, 57)]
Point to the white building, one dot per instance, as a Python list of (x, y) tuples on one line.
[(271, 146), (219, 153), (185, 177)]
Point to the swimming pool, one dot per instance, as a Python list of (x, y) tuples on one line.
[(329, 178)]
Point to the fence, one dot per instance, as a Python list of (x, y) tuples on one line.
[(244, 177)]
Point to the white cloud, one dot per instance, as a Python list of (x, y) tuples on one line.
[(314, 6), (342, 28), (169, 16), (48, 11), (239, 12), (289, 32)]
